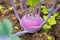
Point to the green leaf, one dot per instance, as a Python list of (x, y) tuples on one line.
[(14, 38), (44, 10), (52, 20), (42, 6), (32, 2), (58, 4), (1, 7), (1, 29), (15, 1), (7, 27), (58, 17), (44, 17), (56, 14), (46, 27), (49, 37), (29, 2), (9, 37)]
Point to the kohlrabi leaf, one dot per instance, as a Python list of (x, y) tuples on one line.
[(6, 37), (7, 27), (32, 2), (1, 30), (9, 37)]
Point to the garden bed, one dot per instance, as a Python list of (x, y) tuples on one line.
[(40, 35)]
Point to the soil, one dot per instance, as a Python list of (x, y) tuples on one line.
[(40, 35)]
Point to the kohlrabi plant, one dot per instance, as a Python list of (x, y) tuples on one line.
[(6, 29), (32, 21)]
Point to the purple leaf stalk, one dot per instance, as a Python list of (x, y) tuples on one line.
[(29, 22)]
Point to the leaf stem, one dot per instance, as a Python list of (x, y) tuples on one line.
[(54, 5), (26, 11), (37, 8), (20, 33), (24, 6), (21, 4), (14, 8)]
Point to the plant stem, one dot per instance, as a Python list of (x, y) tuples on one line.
[(24, 6), (21, 4), (26, 11), (35, 9), (20, 33), (54, 5), (39, 7), (14, 8)]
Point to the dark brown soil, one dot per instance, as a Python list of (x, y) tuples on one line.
[(54, 32)]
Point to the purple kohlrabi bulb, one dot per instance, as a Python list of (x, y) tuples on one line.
[(31, 23)]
